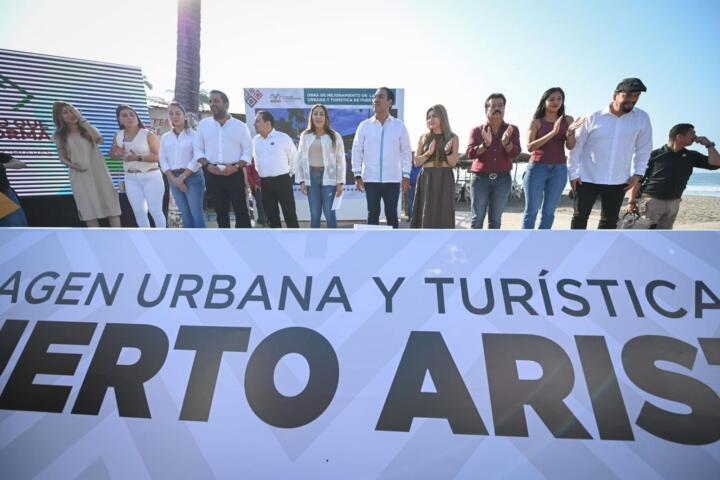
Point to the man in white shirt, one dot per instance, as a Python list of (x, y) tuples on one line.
[(223, 147), (276, 162), (382, 158), (610, 156)]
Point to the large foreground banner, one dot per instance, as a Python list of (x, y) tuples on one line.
[(347, 354)]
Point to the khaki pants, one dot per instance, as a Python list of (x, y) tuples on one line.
[(662, 213)]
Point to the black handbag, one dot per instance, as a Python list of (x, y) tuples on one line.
[(635, 221)]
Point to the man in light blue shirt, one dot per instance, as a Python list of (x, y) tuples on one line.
[(382, 159)]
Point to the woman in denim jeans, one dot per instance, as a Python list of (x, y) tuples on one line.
[(546, 175), (185, 177), (321, 166)]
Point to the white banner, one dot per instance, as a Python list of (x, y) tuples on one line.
[(347, 108), (359, 354)]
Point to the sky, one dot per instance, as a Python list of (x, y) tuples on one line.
[(453, 52)]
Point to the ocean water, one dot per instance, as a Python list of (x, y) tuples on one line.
[(705, 183)]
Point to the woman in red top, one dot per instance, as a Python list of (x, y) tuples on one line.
[(550, 132)]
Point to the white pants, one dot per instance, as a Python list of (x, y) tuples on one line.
[(145, 192)]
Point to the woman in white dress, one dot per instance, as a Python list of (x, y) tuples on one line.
[(77, 143)]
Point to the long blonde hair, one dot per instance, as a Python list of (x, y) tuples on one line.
[(61, 128), (441, 112), (447, 133)]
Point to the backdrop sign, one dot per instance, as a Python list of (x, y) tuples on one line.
[(29, 85), (347, 108), (341, 354)]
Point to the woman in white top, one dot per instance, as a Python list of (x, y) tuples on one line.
[(138, 148), (321, 166), (185, 177)]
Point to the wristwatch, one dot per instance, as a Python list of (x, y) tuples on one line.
[(182, 176), (140, 158), (711, 145)]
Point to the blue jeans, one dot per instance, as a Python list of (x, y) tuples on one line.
[(190, 203), (389, 193), (17, 218), (489, 195), (321, 199), (411, 198), (544, 184)]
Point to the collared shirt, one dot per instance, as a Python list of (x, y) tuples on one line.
[(609, 149), (275, 154), (176, 151), (223, 144), (495, 159), (668, 172), (381, 152)]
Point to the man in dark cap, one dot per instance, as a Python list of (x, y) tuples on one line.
[(667, 175), (610, 156)]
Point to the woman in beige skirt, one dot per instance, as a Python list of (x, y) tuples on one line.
[(437, 153), (77, 143)]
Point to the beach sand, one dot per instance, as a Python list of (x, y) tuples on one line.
[(696, 213)]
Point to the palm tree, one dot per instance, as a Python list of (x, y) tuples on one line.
[(187, 67), (187, 72)]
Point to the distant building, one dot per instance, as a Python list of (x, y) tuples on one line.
[(159, 123)]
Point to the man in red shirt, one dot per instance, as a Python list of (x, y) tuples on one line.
[(492, 146)]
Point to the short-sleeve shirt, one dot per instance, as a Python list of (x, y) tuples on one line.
[(668, 172)]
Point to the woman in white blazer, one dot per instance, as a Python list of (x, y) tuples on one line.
[(321, 166)]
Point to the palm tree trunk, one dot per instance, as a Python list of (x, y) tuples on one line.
[(187, 73), (187, 68)]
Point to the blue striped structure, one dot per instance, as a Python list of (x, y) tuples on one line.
[(30, 83)]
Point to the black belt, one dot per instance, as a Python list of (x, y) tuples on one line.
[(491, 176)]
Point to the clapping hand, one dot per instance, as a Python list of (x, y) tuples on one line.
[(575, 125), (487, 137), (449, 147), (556, 126), (507, 136), (430, 149)]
